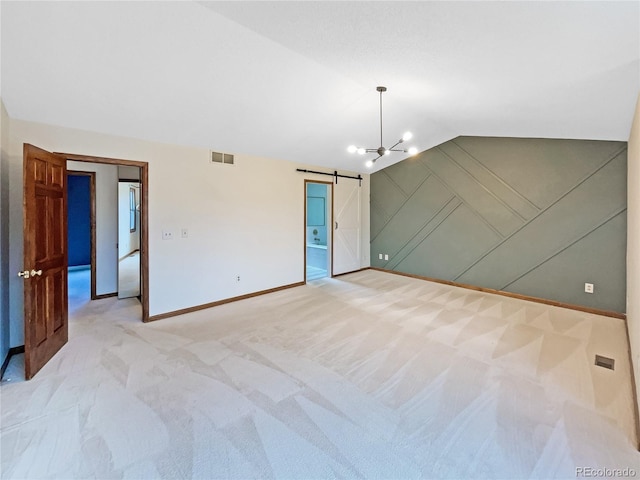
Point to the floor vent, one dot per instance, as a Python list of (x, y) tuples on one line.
[(217, 157), (605, 362)]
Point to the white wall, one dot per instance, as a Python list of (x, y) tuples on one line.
[(4, 233), (244, 219), (126, 172), (633, 246), (106, 223)]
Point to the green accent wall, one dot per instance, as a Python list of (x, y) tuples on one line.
[(537, 217)]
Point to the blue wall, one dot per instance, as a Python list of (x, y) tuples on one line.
[(79, 224), (317, 190)]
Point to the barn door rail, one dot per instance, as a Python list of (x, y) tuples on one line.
[(335, 175)]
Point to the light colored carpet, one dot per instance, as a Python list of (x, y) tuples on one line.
[(129, 276), (370, 375)]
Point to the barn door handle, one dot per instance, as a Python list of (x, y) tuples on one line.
[(336, 225), (24, 274), (36, 272)]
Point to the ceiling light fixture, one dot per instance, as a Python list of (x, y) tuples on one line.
[(382, 150)]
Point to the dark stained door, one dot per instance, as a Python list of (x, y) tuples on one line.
[(45, 257)]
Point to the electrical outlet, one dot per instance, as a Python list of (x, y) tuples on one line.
[(237, 278), (386, 256), (167, 235), (588, 287), (379, 256), (185, 233)]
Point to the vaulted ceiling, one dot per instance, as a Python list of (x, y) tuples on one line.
[(297, 80)]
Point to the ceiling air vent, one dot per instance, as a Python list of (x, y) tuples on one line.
[(217, 157)]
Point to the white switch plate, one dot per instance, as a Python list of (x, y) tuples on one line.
[(588, 287), (167, 235), (185, 233), (386, 256), (379, 256)]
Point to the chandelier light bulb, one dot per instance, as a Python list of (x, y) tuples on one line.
[(387, 152), (413, 151), (369, 163), (362, 151), (407, 136), (352, 149)]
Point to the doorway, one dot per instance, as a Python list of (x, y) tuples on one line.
[(129, 237), (81, 233), (141, 219), (45, 250), (318, 201)]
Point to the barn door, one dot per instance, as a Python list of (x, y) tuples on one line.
[(346, 227)]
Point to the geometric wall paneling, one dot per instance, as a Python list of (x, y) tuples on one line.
[(539, 217), (494, 184), (416, 213), (477, 196), (580, 260), (541, 170), (447, 249), (390, 197), (579, 211), (408, 176)]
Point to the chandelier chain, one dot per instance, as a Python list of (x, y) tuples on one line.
[(381, 118)]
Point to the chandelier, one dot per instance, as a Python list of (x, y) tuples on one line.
[(381, 150)]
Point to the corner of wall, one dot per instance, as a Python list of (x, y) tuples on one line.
[(4, 232), (365, 261), (633, 253), (14, 163)]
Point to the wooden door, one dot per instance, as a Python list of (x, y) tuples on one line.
[(45, 257), (347, 235)]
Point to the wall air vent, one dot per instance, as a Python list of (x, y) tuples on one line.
[(217, 157), (605, 362)]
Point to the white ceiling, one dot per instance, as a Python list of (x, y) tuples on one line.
[(296, 80)]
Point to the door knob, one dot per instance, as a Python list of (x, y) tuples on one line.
[(28, 274)]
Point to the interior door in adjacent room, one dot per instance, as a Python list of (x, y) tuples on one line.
[(128, 239), (45, 257), (346, 227)]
